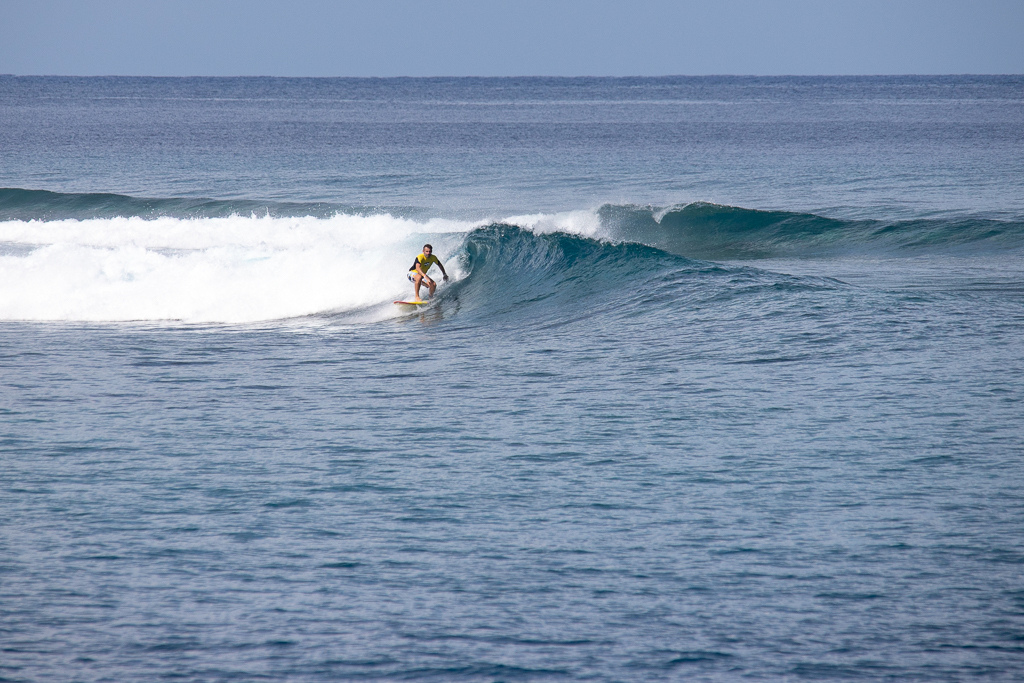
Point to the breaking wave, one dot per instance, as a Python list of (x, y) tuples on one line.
[(72, 257)]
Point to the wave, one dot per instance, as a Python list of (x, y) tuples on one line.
[(507, 267), (555, 278), (238, 269), (699, 229), (247, 270), (17, 204), (712, 231)]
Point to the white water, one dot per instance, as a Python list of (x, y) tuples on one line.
[(224, 270)]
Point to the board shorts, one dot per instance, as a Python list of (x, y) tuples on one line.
[(411, 273)]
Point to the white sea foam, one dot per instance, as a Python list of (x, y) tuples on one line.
[(583, 223), (225, 270), (233, 269)]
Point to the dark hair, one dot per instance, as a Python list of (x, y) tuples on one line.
[(427, 246)]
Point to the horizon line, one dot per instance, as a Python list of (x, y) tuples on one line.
[(517, 76)]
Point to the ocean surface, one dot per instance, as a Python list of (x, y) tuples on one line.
[(727, 382)]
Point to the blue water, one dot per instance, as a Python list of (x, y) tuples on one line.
[(727, 382)]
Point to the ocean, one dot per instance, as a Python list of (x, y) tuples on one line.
[(727, 382)]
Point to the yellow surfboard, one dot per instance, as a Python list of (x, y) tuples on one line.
[(412, 303)]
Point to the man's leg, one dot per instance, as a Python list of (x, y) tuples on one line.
[(418, 279)]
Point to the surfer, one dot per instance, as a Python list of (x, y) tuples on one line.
[(418, 272)]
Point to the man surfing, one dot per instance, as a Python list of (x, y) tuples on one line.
[(418, 272)]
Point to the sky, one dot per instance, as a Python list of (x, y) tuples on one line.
[(505, 38)]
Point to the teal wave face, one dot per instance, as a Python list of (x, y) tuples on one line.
[(518, 275), (711, 231), (555, 278)]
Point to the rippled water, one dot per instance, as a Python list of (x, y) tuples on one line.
[(595, 456)]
